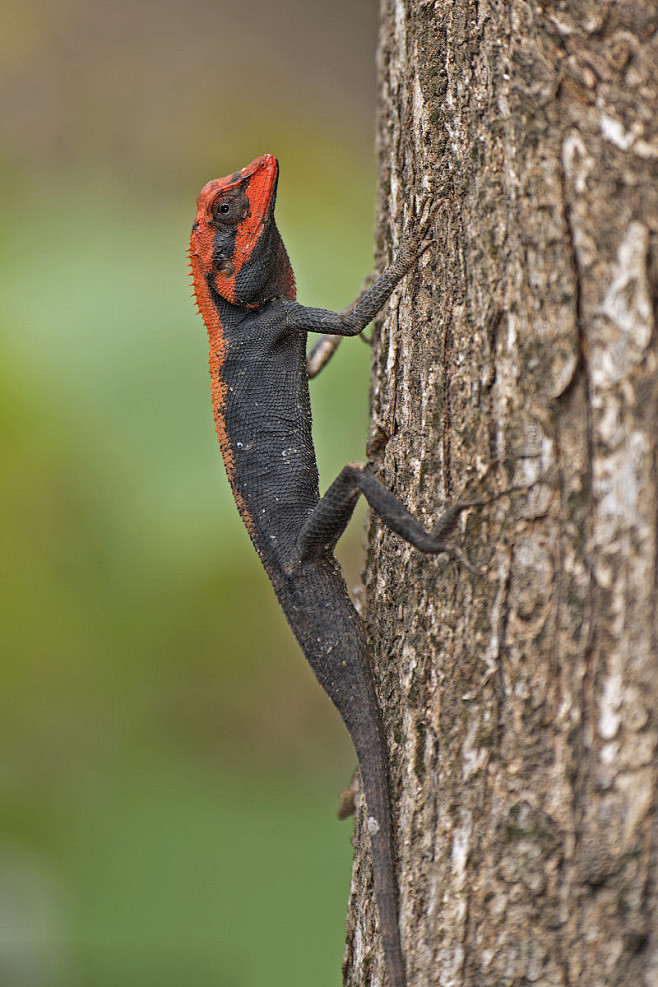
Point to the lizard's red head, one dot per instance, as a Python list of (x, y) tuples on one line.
[(235, 247)]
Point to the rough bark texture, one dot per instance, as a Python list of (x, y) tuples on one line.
[(522, 702)]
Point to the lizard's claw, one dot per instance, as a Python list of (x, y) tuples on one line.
[(426, 208), (415, 240)]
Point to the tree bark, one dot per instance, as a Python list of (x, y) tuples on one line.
[(521, 700)]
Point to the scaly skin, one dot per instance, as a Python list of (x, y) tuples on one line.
[(245, 291)]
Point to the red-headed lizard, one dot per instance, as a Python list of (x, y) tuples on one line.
[(245, 289)]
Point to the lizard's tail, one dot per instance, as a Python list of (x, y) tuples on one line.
[(371, 751), (330, 632)]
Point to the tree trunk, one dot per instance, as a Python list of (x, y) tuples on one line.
[(520, 700)]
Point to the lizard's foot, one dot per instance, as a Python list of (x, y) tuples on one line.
[(415, 241)]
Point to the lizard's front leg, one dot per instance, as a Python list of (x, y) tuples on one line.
[(355, 317)]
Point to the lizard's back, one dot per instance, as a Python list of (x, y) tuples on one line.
[(264, 421)]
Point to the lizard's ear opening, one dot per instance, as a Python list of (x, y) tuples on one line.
[(225, 267)]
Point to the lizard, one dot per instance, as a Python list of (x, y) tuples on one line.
[(245, 291)]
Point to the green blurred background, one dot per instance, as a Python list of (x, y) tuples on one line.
[(169, 769)]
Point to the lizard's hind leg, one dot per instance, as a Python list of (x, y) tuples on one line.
[(331, 515)]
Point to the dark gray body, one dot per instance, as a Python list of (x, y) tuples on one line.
[(267, 421)]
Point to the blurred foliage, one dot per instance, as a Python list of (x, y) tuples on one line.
[(171, 767)]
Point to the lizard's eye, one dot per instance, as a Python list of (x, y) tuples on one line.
[(221, 209), (229, 209)]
